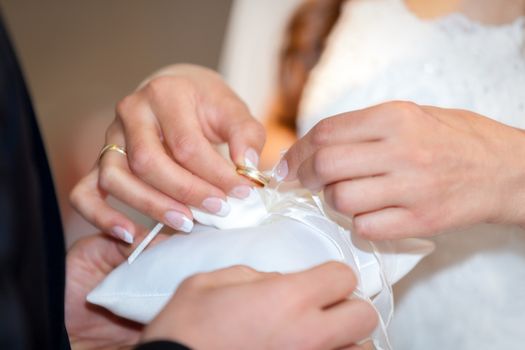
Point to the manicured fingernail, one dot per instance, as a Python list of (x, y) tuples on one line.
[(216, 206), (122, 234), (178, 221), (251, 158), (241, 192), (281, 170)]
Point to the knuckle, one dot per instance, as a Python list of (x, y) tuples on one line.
[(345, 273), (185, 148), (406, 108), (151, 207), (225, 180), (249, 128), (403, 113), (322, 132), (108, 176), (323, 164), (256, 129), (364, 228), (186, 191), (272, 274), (340, 201), (194, 282), (233, 104), (75, 196), (141, 160), (158, 86), (413, 152), (162, 87), (125, 105), (242, 269)]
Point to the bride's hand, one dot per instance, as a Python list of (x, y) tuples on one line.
[(402, 170), (168, 128)]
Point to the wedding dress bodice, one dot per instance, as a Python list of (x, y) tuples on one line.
[(470, 293)]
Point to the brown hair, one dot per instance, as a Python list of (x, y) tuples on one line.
[(303, 44)]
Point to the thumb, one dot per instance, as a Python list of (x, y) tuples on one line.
[(230, 276)]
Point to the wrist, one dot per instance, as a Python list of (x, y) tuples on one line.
[(512, 185)]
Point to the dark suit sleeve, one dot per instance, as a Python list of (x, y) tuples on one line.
[(162, 345), (31, 243)]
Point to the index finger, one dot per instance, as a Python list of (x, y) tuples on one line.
[(149, 161), (244, 134), (184, 132), (358, 126)]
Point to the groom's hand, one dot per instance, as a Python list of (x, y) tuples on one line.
[(240, 308), (230, 308), (89, 326)]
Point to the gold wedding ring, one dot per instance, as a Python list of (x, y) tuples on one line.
[(253, 175), (111, 147)]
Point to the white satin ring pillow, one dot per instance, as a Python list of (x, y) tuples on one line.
[(285, 240)]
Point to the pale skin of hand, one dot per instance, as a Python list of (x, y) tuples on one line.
[(404, 170), (239, 307), (88, 262), (169, 127), (216, 310)]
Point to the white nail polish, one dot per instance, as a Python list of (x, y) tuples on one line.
[(251, 158), (122, 234), (187, 226), (241, 192), (178, 221), (216, 206), (281, 170)]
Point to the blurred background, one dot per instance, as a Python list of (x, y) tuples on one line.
[(81, 57)]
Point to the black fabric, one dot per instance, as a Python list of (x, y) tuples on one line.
[(31, 240), (162, 345)]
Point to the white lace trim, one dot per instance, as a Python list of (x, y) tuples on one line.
[(380, 51)]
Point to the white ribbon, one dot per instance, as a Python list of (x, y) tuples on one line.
[(310, 210)]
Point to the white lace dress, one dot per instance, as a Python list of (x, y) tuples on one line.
[(470, 293)]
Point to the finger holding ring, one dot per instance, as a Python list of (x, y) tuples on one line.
[(253, 175)]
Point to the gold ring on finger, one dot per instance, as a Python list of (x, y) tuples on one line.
[(111, 147)]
